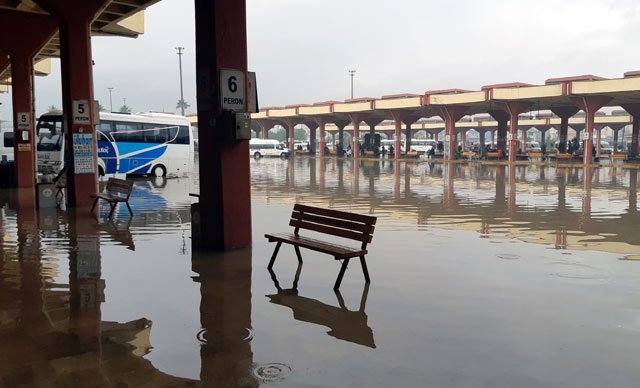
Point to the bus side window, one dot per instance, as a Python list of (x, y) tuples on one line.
[(8, 139), (104, 130)]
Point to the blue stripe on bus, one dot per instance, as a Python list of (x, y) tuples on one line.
[(135, 161)]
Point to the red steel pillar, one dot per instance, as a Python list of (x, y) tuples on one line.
[(634, 111), (313, 126), (590, 105), (74, 21), (482, 136), (502, 118), (290, 124), (22, 52), (323, 136), (372, 129), (356, 119), (564, 112), (407, 136), (514, 108), (340, 124), (598, 128), (463, 139), (450, 114), (225, 195)]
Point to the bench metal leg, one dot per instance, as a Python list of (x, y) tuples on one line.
[(298, 253), (113, 208), (129, 207), (363, 263), (345, 263), (94, 204), (275, 253)]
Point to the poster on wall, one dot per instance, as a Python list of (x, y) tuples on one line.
[(83, 153)]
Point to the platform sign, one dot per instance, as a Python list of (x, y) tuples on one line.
[(81, 112), (83, 153), (447, 138), (232, 90), (24, 120)]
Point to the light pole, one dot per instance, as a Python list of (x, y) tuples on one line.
[(110, 100), (352, 73), (180, 49)]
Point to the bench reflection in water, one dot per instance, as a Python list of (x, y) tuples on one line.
[(345, 324)]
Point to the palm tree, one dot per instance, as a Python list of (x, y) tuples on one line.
[(125, 109), (182, 104)]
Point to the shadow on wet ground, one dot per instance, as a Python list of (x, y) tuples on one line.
[(482, 276)]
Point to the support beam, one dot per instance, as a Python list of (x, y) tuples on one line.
[(634, 111), (564, 112), (356, 119), (74, 21), (502, 118), (451, 114), (514, 108), (590, 105), (22, 52), (225, 195)]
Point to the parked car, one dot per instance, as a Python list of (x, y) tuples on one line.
[(605, 148)]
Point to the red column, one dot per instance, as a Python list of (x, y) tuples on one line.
[(590, 106), (356, 119), (372, 128), (514, 108), (564, 112), (502, 118), (634, 111), (407, 135), (340, 124), (450, 114), (225, 195), (291, 125), (598, 139), (22, 52), (74, 19), (312, 135), (482, 135), (463, 139), (323, 141)]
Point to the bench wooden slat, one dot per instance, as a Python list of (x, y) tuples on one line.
[(338, 251), (117, 191), (336, 214), (331, 230), (337, 222)]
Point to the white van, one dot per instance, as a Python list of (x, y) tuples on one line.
[(267, 147), (6, 144)]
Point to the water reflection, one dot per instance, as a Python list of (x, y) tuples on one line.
[(564, 207), (345, 324)]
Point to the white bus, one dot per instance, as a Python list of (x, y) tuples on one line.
[(157, 144), (423, 145), (6, 144), (386, 143), (267, 147)]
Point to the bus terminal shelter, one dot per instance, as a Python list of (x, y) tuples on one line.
[(62, 28)]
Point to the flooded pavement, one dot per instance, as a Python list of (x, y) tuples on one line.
[(482, 276)]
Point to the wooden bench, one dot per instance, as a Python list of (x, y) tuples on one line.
[(493, 155), (412, 155), (331, 222), (562, 156), (117, 191), (470, 155), (535, 156), (618, 158)]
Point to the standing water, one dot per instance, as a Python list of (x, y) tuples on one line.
[(482, 276)]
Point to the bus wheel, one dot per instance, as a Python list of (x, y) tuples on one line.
[(159, 170), (100, 171), (257, 155), (283, 155)]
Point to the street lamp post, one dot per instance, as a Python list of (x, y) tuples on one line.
[(180, 49), (110, 100), (352, 73)]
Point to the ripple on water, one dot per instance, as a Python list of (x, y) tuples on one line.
[(507, 256), (271, 372), (577, 271)]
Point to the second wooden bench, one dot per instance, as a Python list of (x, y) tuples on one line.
[(117, 191), (330, 222)]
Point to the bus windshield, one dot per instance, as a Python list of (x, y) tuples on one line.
[(49, 131)]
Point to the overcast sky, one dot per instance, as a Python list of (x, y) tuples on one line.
[(302, 49)]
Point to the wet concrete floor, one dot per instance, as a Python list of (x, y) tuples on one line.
[(482, 276)]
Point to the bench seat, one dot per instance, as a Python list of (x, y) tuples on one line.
[(334, 223), (339, 251)]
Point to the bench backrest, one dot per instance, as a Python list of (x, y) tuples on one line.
[(119, 186), (334, 222)]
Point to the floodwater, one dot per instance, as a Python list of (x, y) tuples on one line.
[(482, 276)]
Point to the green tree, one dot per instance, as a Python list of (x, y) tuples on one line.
[(101, 108), (125, 109), (182, 105), (299, 133)]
